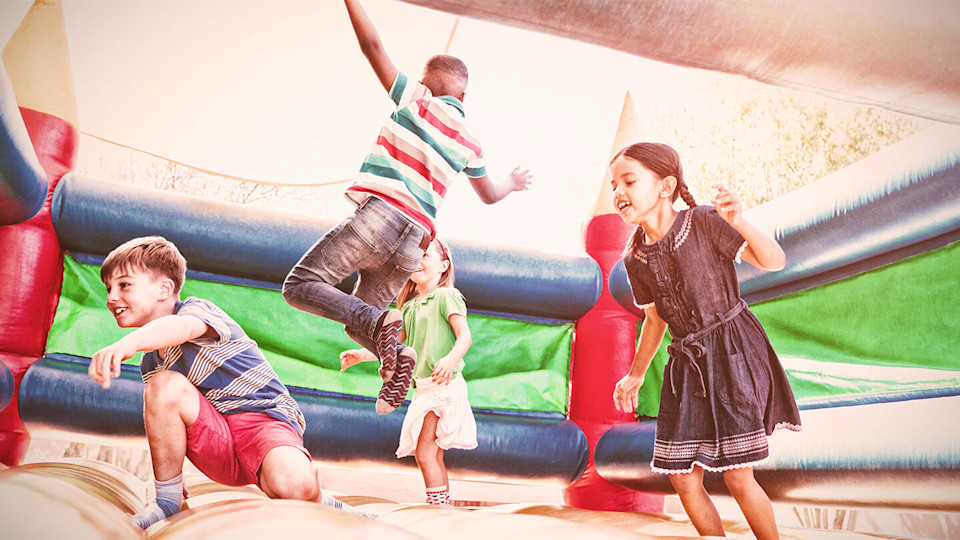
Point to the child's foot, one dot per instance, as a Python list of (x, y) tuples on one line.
[(395, 389), (333, 502), (151, 514), (387, 340), (169, 496), (438, 495)]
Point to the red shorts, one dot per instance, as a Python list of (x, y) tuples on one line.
[(230, 448)]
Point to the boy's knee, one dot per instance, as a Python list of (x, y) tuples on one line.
[(286, 473), (166, 387), (288, 288), (293, 483)]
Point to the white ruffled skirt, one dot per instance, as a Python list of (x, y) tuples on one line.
[(456, 429)]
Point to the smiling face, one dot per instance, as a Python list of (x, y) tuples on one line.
[(637, 191), (136, 297), (431, 267)]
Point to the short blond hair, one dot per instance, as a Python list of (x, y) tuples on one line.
[(153, 254)]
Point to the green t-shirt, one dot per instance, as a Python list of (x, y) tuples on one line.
[(427, 323)]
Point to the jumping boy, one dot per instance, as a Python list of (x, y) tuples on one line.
[(419, 152), (210, 394)]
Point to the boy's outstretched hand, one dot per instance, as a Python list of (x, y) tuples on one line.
[(490, 193), (105, 364), (520, 179)]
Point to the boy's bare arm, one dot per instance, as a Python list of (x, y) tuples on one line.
[(489, 192), (370, 44), (156, 334)]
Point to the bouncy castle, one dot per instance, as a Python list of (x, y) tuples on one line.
[(864, 316)]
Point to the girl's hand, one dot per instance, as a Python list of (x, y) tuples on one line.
[(728, 204), (625, 393), (443, 370)]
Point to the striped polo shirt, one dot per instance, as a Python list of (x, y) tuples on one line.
[(230, 371), (418, 154)]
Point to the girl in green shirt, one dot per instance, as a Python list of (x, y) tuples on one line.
[(435, 325)]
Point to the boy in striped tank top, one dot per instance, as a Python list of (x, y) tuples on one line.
[(419, 152), (209, 393)]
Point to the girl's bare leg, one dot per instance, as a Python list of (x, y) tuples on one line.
[(429, 455), (753, 502), (696, 502)]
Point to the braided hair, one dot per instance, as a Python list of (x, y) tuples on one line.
[(663, 161)]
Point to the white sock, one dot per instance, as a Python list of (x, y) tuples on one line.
[(333, 502), (167, 503), (438, 495)]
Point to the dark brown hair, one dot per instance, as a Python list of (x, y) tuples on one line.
[(448, 64), (449, 76), (663, 161)]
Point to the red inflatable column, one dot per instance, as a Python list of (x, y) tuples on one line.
[(31, 268), (604, 347)]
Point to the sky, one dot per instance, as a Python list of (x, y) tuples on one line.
[(279, 92)]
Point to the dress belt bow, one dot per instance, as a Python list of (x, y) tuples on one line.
[(685, 353), (688, 349)]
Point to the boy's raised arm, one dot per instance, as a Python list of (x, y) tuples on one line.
[(489, 192), (370, 44), (156, 334)]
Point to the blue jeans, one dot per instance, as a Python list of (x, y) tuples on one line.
[(377, 241)]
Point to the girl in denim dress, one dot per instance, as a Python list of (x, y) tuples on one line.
[(724, 390)]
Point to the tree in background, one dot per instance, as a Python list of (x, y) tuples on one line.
[(764, 141)]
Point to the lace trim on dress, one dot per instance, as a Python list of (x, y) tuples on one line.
[(748, 440), (740, 448), (743, 246), (644, 306), (684, 230), (788, 425), (707, 467)]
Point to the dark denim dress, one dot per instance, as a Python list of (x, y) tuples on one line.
[(724, 390)]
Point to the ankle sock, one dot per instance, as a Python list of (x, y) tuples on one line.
[(438, 495), (167, 503), (337, 504)]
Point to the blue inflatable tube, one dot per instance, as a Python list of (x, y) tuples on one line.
[(56, 391), (863, 450), (7, 385), (23, 183), (901, 201), (347, 429), (93, 216)]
